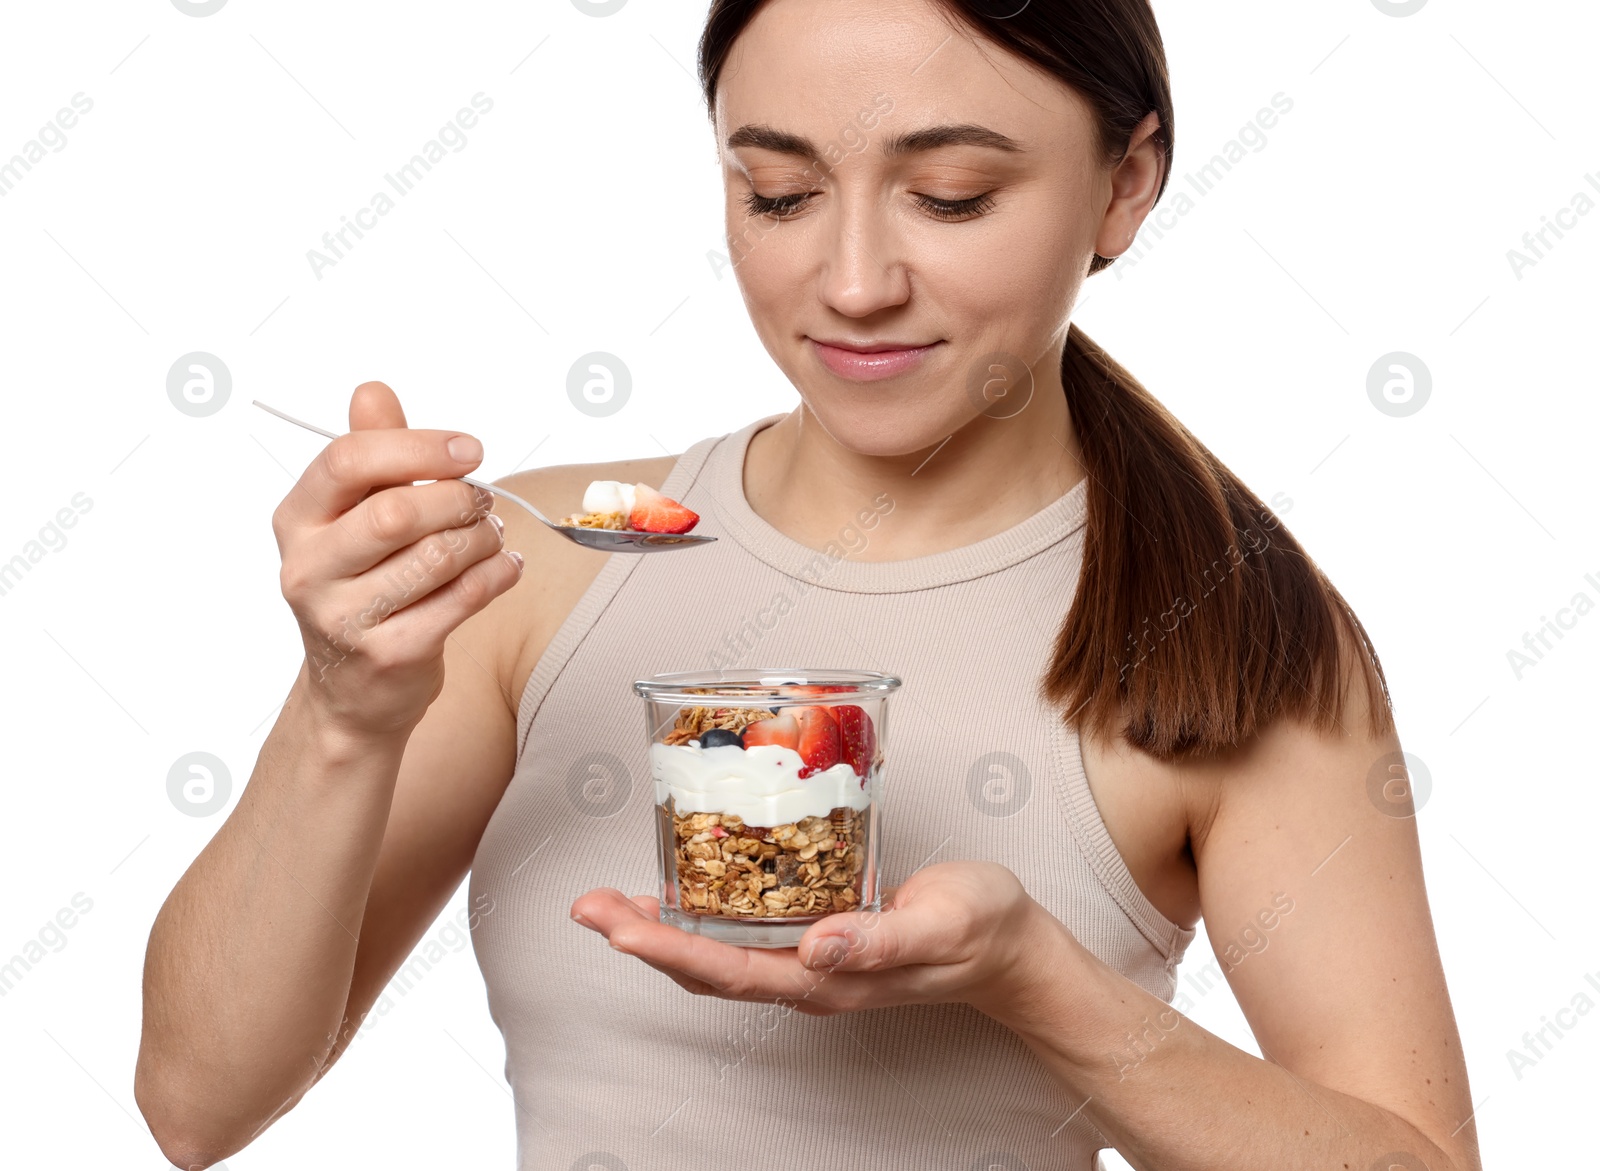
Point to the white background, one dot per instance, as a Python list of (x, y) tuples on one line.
[(579, 217)]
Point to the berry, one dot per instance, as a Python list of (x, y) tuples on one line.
[(781, 729), (813, 688), (716, 737), (819, 739), (655, 513), (857, 739)]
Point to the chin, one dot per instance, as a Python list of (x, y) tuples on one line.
[(881, 428)]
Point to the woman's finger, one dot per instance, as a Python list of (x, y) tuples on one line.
[(606, 906), (412, 573), (928, 931), (391, 519)]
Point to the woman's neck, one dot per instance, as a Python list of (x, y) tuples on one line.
[(989, 476)]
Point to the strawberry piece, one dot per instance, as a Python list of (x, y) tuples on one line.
[(655, 513), (857, 739), (781, 729), (813, 688), (819, 739)]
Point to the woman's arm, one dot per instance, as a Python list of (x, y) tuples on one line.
[(253, 986), (249, 963), (1313, 896)]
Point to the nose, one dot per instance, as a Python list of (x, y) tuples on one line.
[(863, 269)]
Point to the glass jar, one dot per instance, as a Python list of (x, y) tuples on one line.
[(768, 783)]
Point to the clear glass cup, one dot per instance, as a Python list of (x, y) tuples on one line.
[(768, 784)]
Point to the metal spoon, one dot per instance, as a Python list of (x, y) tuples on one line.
[(606, 540)]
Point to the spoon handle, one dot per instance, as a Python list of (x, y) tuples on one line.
[(496, 489)]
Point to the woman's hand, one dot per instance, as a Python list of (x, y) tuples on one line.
[(379, 570), (955, 931)]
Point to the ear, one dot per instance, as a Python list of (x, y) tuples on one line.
[(1135, 184)]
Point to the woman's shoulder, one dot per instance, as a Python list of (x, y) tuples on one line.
[(519, 624), (1161, 811)]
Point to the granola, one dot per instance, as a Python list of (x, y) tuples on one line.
[(692, 721), (726, 868), (597, 520)]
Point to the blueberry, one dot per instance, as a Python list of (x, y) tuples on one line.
[(715, 737)]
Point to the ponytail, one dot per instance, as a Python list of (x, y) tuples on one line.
[(1198, 618)]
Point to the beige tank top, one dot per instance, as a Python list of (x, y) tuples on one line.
[(613, 1065)]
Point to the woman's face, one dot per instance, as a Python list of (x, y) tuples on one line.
[(969, 248)]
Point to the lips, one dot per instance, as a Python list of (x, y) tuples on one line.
[(870, 361), (871, 347)]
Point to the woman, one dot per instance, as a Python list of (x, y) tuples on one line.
[(971, 495)]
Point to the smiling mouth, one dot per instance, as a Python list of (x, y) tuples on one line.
[(870, 361), (872, 347)]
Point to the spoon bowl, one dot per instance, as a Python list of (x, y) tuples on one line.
[(606, 540), (627, 540)]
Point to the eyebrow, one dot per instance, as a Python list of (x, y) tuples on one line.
[(895, 146)]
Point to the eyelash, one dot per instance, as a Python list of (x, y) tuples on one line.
[(783, 206)]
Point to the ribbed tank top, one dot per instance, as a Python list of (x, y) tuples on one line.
[(613, 1065)]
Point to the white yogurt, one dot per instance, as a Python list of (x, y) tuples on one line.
[(608, 496), (761, 784)]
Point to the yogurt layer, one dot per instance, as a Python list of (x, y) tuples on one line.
[(761, 784), (608, 496)]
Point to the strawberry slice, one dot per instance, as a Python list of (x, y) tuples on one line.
[(857, 739), (781, 729), (819, 739), (655, 513), (813, 688)]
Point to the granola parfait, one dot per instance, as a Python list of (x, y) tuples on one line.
[(767, 787)]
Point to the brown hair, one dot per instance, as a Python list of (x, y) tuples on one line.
[(1198, 617)]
